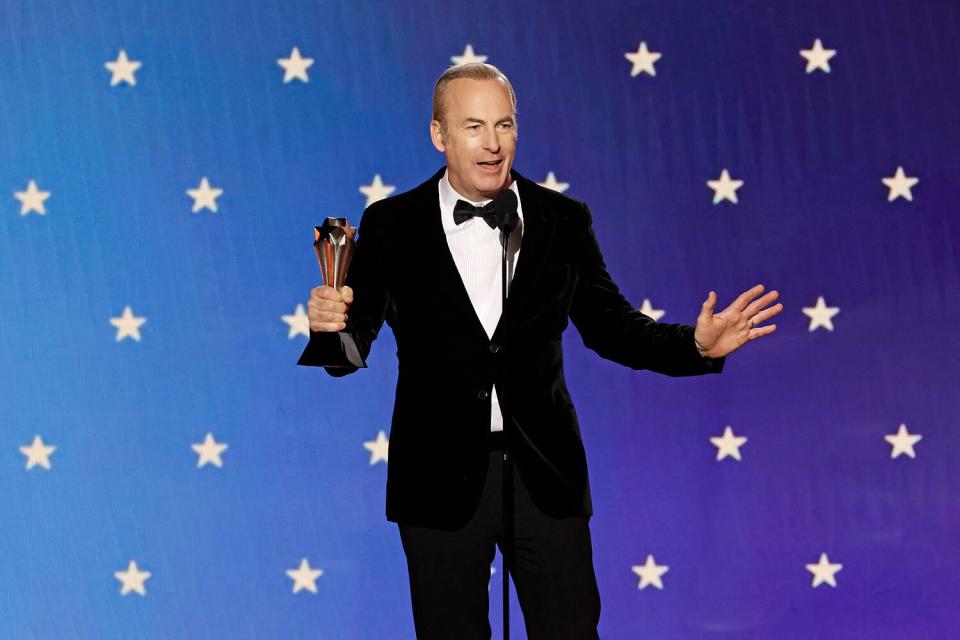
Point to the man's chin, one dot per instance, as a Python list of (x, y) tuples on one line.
[(490, 185)]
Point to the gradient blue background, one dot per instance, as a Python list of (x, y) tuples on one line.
[(730, 92)]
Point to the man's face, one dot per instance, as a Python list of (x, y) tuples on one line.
[(478, 136)]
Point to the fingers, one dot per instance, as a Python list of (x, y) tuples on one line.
[(344, 294), (761, 303), (766, 314), (326, 293), (744, 298), (709, 304), (739, 305), (753, 334), (706, 317), (327, 308), (327, 305), (326, 320), (328, 327)]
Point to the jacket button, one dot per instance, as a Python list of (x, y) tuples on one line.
[(483, 394), (494, 347)]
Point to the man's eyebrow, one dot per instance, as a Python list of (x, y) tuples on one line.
[(473, 119)]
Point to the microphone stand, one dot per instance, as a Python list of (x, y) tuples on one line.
[(506, 204), (507, 548)]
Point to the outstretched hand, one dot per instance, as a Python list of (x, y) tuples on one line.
[(718, 334)]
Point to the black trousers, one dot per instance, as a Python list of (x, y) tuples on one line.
[(553, 570)]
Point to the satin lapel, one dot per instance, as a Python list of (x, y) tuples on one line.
[(446, 278), (537, 235)]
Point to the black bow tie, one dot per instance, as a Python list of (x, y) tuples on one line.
[(463, 211)]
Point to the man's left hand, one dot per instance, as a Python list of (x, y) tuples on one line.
[(725, 332)]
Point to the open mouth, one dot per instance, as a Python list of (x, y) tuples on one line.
[(491, 165)]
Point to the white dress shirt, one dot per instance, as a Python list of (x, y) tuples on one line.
[(476, 250)]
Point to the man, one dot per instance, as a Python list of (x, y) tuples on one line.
[(429, 264)]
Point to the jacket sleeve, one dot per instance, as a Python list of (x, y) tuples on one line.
[(343, 352), (612, 327)]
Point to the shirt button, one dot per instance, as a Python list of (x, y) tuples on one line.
[(483, 394), (494, 347)]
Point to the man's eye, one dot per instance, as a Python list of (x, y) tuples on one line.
[(473, 126), (506, 125)]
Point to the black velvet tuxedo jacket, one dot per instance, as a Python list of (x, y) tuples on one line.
[(403, 272)]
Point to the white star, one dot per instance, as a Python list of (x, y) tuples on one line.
[(204, 196), (295, 66), (642, 60), (728, 444), (902, 442), (823, 571), (128, 325), (32, 199), (724, 188), (818, 57), (650, 573), (551, 183), (123, 69), (299, 323), (900, 186), (493, 570), (376, 190), (467, 57), (133, 579), (304, 577), (209, 451), (820, 315), (38, 453), (377, 448), (647, 309)]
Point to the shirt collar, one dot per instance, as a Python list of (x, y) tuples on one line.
[(449, 197)]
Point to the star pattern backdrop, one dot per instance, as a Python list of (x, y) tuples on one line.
[(168, 472)]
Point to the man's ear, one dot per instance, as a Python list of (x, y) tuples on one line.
[(436, 136)]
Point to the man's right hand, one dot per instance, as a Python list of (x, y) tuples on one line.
[(327, 308)]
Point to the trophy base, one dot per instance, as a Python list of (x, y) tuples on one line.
[(331, 351)]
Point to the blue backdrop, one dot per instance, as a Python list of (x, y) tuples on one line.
[(213, 279)]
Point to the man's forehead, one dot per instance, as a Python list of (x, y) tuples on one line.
[(481, 102), (466, 88)]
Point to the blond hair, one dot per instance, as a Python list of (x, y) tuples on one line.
[(472, 71)]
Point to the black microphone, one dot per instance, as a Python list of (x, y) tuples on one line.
[(506, 204)]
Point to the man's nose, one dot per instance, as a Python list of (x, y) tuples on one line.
[(490, 141)]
